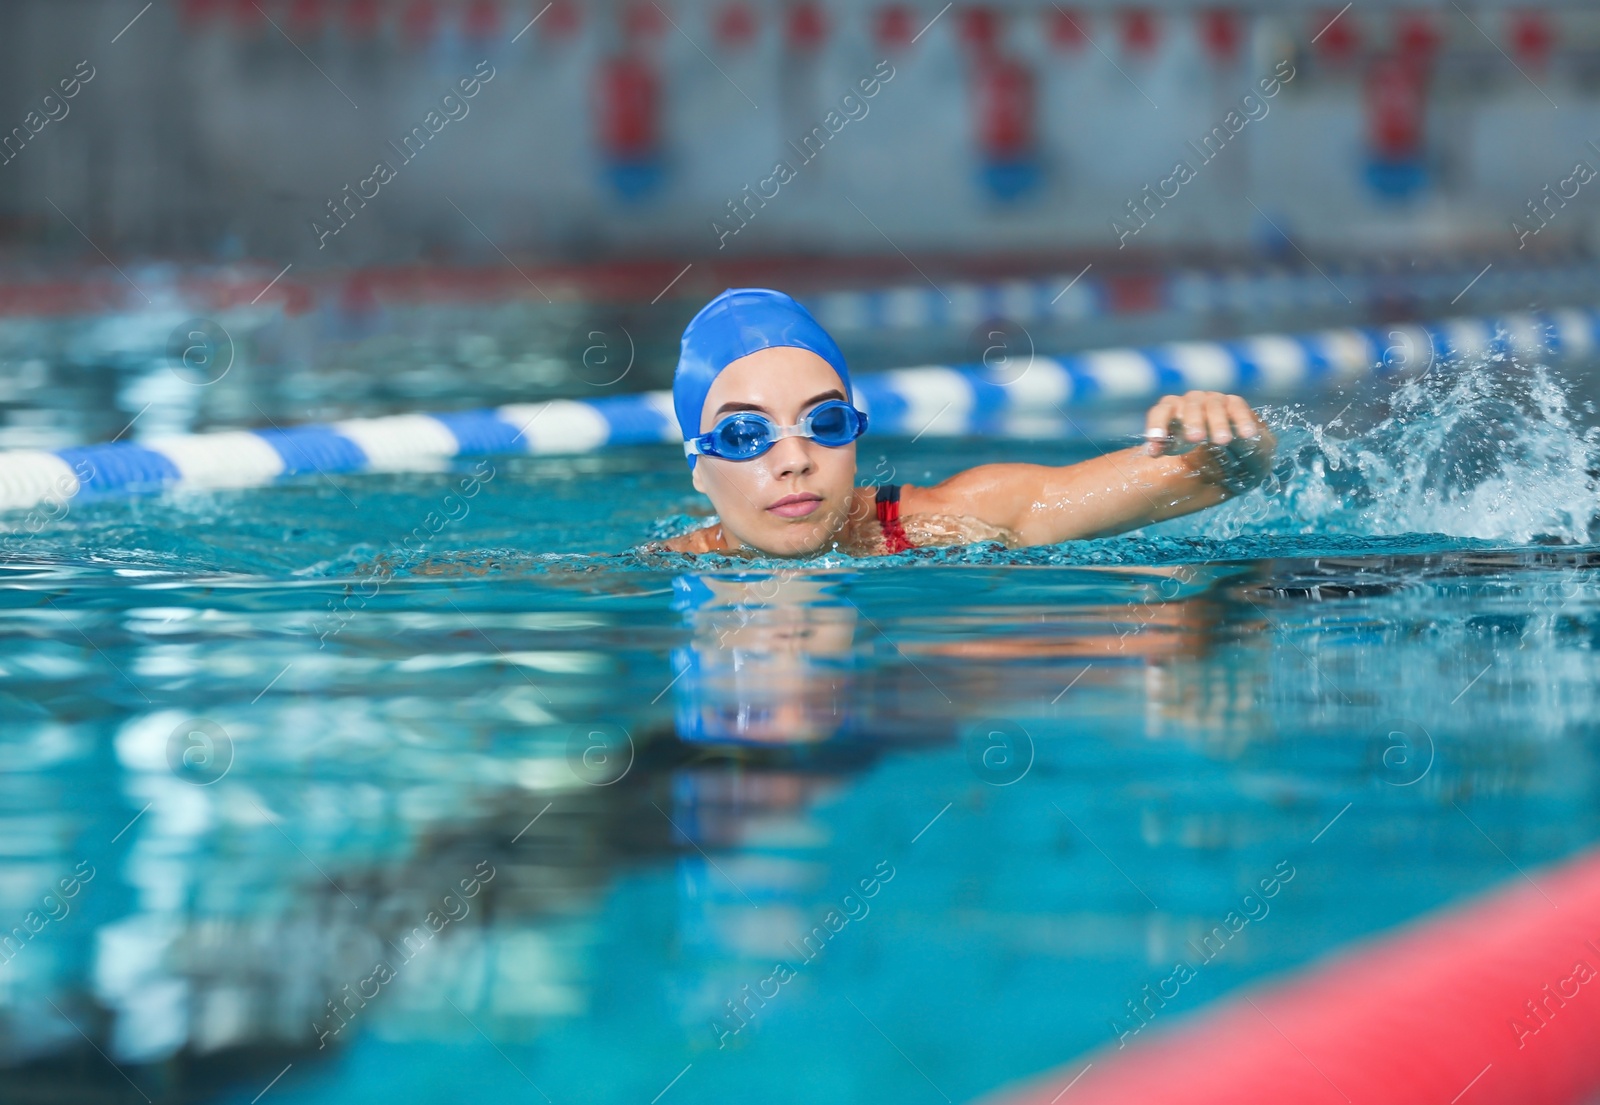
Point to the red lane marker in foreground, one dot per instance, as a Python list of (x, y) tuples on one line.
[(1493, 1003)]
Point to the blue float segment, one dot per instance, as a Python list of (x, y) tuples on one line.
[(1439, 342), (1249, 371), (480, 432), (1085, 387), (870, 308), (116, 466), (1171, 379), (314, 449), (886, 408), (1593, 319), (1392, 350), (1317, 364), (1499, 337), (988, 397), (633, 420)]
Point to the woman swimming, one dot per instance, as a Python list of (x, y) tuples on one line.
[(763, 398)]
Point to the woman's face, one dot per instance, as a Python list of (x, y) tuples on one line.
[(793, 499)]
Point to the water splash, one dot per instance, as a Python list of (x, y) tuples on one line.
[(1488, 449)]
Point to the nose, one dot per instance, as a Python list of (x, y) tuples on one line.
[(791, 458)]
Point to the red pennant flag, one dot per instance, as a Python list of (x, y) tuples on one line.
[(481, 19), (1532, 38), (1336, 36), (419, 21), (894, 26), (980, 30), (1221, 34), (807, 26), (1139, 32), (735, 25), (362, 18), (1069, 29)]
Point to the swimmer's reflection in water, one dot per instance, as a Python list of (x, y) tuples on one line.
[(770, 660), (774, 659)]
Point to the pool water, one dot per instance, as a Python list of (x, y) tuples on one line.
[(526, 816)]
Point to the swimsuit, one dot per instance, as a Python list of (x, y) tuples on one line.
[(894, 537)]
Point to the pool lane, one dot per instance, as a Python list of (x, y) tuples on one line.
[(973, 832)]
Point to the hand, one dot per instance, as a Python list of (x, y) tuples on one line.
[(1234, 447), (1178, 423)]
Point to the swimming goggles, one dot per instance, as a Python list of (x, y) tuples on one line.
[(745, 435)]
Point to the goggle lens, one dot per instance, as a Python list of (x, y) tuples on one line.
[(833, 424), (744, 436)]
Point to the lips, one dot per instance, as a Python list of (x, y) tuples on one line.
[(796, 506)]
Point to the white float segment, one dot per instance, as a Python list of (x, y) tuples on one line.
[(843, 311), (1018, 301), (1576, 332), (1122, 373), (233, 458), (938, 399), (1348, 352), (1276, 289), (1204, 365), (1407, 348), (1043, 386), (1235, 293), (1192, 292), (906, 308), (402, 442), (1072, 299), (1282, 364), (559, 426), (1468, 337), (661, 403), (29, 477), (967, 306), (1526, 334)]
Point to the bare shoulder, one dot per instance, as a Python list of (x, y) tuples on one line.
[(963, 493), (919, 500), (958, 511)]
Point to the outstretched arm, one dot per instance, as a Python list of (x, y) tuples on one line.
[(1122, 490)]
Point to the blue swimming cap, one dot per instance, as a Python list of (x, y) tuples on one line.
[(737, 323)]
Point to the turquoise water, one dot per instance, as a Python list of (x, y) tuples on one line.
[(577, 800)]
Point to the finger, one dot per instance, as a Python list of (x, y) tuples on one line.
[(1244, 419), (1158, 425), (1193, 413), (1217, 423)]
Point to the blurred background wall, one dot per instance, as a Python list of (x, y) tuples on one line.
[(222, 129)]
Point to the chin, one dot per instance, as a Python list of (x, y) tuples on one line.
[(794, 541)]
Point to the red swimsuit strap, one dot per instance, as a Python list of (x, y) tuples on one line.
[(894, 536)]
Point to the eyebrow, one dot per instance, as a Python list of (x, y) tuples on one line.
[(730, 408)]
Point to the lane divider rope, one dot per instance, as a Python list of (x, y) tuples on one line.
[(940, 400), (1063, 298)]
